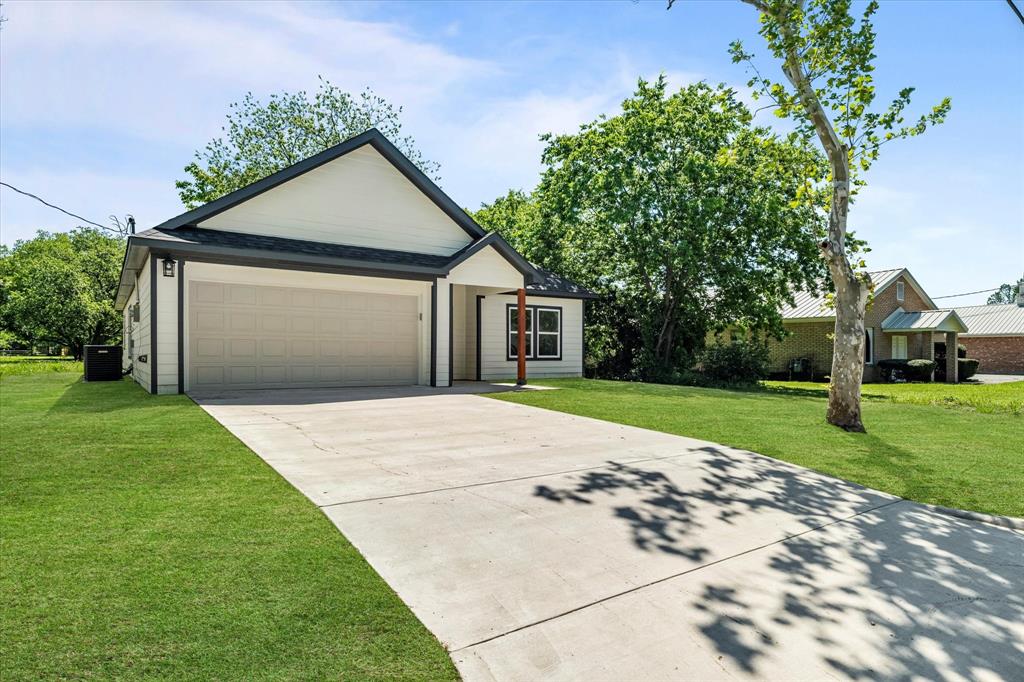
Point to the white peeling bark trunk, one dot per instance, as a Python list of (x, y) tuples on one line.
[(851, 293)]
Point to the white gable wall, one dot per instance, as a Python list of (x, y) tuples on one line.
[(359, 199), (487, 268)]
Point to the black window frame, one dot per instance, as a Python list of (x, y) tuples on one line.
[(534, 333)]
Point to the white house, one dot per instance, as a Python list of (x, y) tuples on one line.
[(350, 268)]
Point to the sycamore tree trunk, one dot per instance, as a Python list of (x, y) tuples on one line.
[(851, 293)]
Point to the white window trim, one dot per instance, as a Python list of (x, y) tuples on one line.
[(901, 292), (557, 334), (906, 349), (871, 346)]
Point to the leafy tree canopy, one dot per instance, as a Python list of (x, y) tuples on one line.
[(261, 138), (59, 288), (678, 209), (1006, 293)]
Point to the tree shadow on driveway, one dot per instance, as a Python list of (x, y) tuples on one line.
[(889, 590)]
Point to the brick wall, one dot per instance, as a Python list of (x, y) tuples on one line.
[(998, 354), (814, 339)]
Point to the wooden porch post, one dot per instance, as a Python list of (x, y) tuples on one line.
[(521, 338)]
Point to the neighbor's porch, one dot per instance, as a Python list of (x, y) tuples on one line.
[(927, 334)]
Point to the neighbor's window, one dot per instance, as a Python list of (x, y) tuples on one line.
[(899, 348), (899, 292), (543, 333), (869, 346)]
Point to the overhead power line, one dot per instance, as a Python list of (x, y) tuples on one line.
[(981, 291), (66, 212), (1015, 10)]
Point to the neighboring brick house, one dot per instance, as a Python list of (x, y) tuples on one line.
[(901, 322), (995, 335)]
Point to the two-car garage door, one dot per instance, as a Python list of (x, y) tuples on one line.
[(246, 336)]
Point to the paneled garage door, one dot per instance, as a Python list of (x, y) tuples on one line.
[(245, 336)]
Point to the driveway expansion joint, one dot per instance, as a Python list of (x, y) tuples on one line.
[(667, 578), (465, 486)]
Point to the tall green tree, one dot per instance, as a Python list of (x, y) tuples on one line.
[(261, 138), (827, 58), (59, 288), (678, 210), (1006, 293)]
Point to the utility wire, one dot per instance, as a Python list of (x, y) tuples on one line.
[(1015, 10), (46, 203), (982, 291)]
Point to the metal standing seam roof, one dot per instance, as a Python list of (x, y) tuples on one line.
[(1005, 319), (923, 320), (807, 305)]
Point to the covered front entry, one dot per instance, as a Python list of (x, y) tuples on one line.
[(248, 336)]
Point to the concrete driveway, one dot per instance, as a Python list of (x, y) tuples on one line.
[(539, 545)]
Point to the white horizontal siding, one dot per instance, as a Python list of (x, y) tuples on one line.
[(167, 331), (493, 362), (359, 199), (443, 311), (141, 370)]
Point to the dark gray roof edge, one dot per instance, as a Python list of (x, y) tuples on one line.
[(167, 246), (559, 294), (502, 247), (372, 137)]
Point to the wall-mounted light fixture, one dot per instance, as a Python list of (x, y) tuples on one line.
[(168, 266)]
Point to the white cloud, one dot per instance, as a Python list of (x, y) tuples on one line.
[(161, 70)]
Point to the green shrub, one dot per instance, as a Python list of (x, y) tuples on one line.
[(961, 350), (966, 368), (739, 362), (920, 370), (908, 370)]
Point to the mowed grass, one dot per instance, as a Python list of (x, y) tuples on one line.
[(954, 457), (142, 540), (1006, 397), (17, 365)]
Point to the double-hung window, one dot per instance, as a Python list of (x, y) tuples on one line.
[(899, 348), (513, 332), (869, 346), (543, 333)]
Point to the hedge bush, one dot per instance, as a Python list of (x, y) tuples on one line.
[(966, 368), (909, 370), (738, 362)]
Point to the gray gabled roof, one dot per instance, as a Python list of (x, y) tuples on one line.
[(1006, 319), (221, 245), (372, 137), (923, 320), (809, 305), (556, 285), (193, 241)]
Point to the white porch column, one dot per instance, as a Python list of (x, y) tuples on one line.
[(441, 333)]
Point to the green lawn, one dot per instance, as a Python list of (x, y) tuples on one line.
[(14, 365), (141, 540), (1008, 397), (953, 456)]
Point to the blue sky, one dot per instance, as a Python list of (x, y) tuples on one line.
[(101, 105)]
